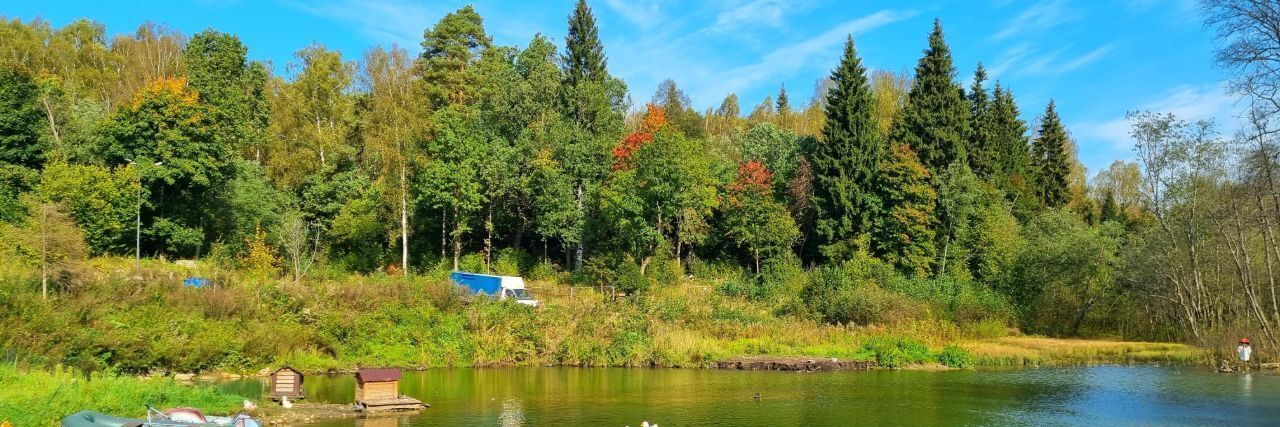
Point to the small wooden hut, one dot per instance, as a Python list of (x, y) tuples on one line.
[(285, 382), (379, 390)]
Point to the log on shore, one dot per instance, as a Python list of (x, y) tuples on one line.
[(801, 364)]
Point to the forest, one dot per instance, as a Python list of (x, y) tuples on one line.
[(335, 189)]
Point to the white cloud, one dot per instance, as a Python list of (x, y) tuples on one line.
[(769, 13), (1041, 17), (787, 59), (383, 21), (1086, 59), (1018, 60), (645, 13), (1186, 102)]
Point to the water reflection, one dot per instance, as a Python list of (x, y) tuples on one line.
[(1059, 396)]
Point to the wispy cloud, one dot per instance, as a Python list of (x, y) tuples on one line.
[(1019, 60), (383, 21), (645, 13), (787, 59), (1041, 17), (1187, 102), (770, 13)]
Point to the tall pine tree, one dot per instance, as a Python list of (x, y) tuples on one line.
[(584, 54), (845, 160), (1009, 136), (935, 121), (784, 104), (1049, 155), (594, 102), (982, 127)]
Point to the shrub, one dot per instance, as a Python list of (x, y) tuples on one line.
[(628, 278), (851, 294), (542, 270), (473, 263), (35, 398), (895, 352), (955, 357)]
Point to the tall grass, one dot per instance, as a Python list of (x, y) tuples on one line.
[(136, 321), (42, 397)]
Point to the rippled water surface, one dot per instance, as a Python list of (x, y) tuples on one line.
[(681, 397)]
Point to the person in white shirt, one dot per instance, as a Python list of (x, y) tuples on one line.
[(1244, 351)]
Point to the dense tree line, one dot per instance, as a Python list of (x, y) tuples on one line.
[(396, 163)]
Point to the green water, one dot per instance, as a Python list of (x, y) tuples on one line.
[(683, 397)]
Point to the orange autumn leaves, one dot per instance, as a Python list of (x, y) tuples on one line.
[(654, 120), (753, 177)]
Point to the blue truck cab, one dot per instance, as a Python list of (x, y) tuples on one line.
[(497, 287)]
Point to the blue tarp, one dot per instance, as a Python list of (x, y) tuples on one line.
[(195, 282)]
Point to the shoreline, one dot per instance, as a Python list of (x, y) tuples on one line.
[(996, 353)]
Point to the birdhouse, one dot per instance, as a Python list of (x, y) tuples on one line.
[(379, 389), (377, 384), (285, 382)]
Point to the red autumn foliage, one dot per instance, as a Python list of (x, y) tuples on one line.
[(753, 177), (654, 119)]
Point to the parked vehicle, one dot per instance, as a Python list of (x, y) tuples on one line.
[(497, 287)]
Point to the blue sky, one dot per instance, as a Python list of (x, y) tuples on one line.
[(1098, 59)]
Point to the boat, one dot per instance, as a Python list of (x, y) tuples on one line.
[(177, 417)]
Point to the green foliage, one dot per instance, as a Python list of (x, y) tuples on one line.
[(845, 161), (166, 124), (21, 123), (905, 234), (1064, 271), (1050, 153), (935, 121), (231, 87), (896, 352), (854, 293), (778, 149), (32, 397), (983, 128), (584, 54), (102, 202), (14, 181), (663, 198), (956, 357), (449, 49)]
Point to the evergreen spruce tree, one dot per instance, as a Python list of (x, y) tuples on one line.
[(584, 54), (1049, 155), (935, 121), (1110, 211), (784, 105), (982, 128), (844, 161), (1009, 136)]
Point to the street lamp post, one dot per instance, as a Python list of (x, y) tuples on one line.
[(137, 234)]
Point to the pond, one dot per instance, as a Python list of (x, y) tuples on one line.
[(1101, 395)]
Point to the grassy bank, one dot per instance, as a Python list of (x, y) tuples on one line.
[(38, 397), (144, 321), (1025, 350)]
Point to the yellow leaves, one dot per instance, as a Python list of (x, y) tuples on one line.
[(168, 87), (259, 258)]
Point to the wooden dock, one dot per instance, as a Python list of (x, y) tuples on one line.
[(402, 403)]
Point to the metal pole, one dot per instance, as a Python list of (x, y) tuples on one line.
[(137, 235)]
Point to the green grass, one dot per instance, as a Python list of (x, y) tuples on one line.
[(119, 320), (43, 397)]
